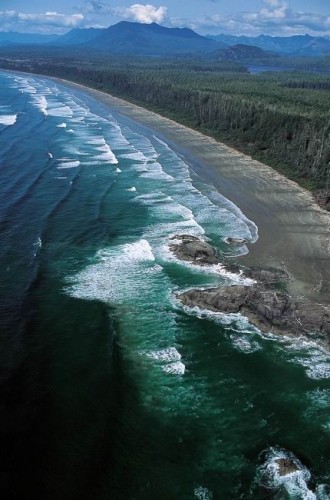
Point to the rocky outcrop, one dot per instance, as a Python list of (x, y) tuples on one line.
[(191, 248), (268, 309), (286, 466), (231, 240), (266, 304)]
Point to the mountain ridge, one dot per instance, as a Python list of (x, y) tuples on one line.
[(154, 40), (298, 45)]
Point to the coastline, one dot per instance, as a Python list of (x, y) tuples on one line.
[(294, 232)]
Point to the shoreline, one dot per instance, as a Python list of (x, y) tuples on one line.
[(294, 232)]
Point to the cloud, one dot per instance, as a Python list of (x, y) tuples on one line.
[(274, 17), (46, 22), (95, 7), (143, 13)]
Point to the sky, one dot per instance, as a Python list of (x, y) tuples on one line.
[(238, 17)]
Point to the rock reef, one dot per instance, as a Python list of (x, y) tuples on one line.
[(268, 309), (265, 302), (191, 248)]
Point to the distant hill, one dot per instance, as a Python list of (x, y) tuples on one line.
[(303, 45), (243, 53), (13, 38), (152, 40), (79, 36)]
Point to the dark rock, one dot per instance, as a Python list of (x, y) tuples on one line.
[(193, 249), (322, 197), (286, 466), (184, 237), (235, 241), (269, 309)]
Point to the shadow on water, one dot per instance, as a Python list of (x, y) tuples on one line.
[(71, 420)]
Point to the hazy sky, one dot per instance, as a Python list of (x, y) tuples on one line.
[(250, 17)]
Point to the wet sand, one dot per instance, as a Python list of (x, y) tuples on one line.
[(294, 232)]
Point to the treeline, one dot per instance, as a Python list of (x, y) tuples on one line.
[(277, 117), (308, 84)]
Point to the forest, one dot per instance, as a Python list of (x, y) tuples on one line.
[(280, 118)]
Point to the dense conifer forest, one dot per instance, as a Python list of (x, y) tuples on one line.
[(280, 118)]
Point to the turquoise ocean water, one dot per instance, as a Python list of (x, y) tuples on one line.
[(109, 388)]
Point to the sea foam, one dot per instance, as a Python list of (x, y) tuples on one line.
[(8, 119), (40, 102), (69, 164), (119, 273), (293, 483), (169, 358)]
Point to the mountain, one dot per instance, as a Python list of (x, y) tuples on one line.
[(13, 38), (243, 53), (79, 36), (299, 45), (152, 40)]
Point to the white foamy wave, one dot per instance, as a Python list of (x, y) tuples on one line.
[(70, 131), (245, 344), (107, 155), (317, 366), (119, 273), (241, 322), (97, 141), (132, 189), (93, 163), (38, 243), (8, 119), (168, 355), (294, 483), (69, 164), (323, 492), (61, 125), (245, 335), (171, 357), (78, 119), (154, 171), (140, 251), (136, 156), (177, 368), (312, 356), (117, 170), (24, 86), (40, 102), (61, 111), (170, 209), (202, 493)]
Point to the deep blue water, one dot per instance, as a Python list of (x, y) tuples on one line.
[(109, 388)]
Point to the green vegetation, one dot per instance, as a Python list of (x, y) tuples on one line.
[(280, 118)]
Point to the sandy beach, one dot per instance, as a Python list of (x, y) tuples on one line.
[(294, 232)]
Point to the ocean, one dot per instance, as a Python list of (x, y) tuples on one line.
[(110, 389)]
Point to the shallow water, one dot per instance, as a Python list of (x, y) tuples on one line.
[(110, 388)]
